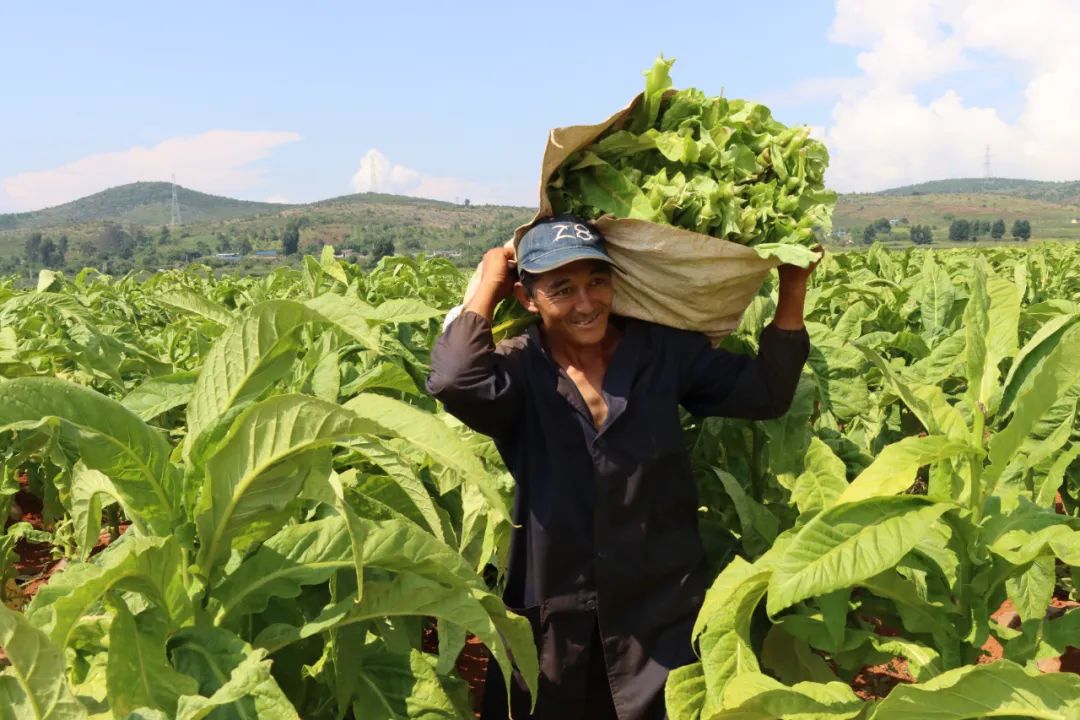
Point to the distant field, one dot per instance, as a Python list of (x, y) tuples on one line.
[(1049, 220)]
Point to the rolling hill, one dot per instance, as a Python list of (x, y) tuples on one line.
[(141, 203), (416, 224)]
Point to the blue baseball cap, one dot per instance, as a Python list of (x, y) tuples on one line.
[(557, 241)]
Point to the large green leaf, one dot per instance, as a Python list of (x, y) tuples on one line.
[(822, 481), (1001, 689), (89, 490), (684, 692), (753, 696), (196, 304), (429, 434), (846, 544), (480, 613), (159, 394), (295, 556), (34, 685), (937, 294), (139, 674), (400, 686), (1058, 372), (149, 566), (722, 629), (257, 471), (234, 679), (893, 470), (107, 437), (256, 349)]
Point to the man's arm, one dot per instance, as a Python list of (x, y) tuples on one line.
[(471, 379), (717, 382)]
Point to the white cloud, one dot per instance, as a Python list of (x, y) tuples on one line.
[(378, 174), (217, 161), (882, 134), (278, 199)]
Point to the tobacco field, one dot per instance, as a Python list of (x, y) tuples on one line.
[(230, 497)]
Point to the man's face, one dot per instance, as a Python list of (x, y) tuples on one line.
[(574, 301)]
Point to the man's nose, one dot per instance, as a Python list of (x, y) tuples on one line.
[(583, 302)]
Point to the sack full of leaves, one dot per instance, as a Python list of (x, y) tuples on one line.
[(698, 198)]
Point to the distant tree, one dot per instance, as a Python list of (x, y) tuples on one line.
[(921, 234), (1021, 230), (974, 230), (290, 239), (869, 234), (223, 244), (997, 230), (413, 245), (62, 248), (467, 203), (32, 250), (203, 249), (382, 248), (244, 246), (164, 238), (959, 231), (112, 240), (87, 250), (883, 225), (50, 258)]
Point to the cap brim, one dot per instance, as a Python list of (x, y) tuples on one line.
[(564, 256)]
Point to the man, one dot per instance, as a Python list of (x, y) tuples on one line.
[(605, 559)]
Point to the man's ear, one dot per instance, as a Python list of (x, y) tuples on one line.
[(523, 298)]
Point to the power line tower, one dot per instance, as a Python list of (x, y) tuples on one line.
[(986, 164), (174, 218)]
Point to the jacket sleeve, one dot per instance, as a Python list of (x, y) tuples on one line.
[(472, 379), (718, 382)]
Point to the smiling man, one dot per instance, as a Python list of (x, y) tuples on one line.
[(605, 559)]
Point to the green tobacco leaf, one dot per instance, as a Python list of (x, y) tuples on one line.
[(1032, 355), (403, 310), (1000, 689), (399, 686), (149, 566), (846, 544), (196, 304), (298, 555), (822, 481), (258, 470), (1031, 591), (722, 629), (893, 470), (34, 683), (108, 437), (256, 349), (759, 526), (429, 434), (937, 295), (788, 254), (479, 612), (753, 696), (158, 394), (139, 674), (350, 314), (89, 490), (231, 675), (1058, 372), (684, 692)]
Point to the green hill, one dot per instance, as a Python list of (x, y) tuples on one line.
[(1060, 192), (132, 216), (141, 203)]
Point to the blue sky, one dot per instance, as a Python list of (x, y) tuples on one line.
[(285, 100)]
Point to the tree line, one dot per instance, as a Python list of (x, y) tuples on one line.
[(959, 230)]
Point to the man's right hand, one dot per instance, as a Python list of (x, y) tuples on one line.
[(497, 278)]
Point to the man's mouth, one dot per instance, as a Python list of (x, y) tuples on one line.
[(587, 322)]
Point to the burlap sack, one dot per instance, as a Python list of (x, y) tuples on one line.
[(669, 275)]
